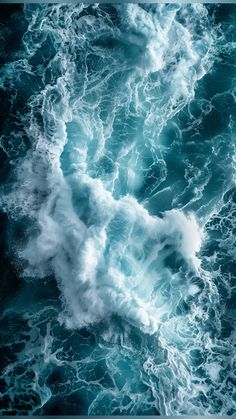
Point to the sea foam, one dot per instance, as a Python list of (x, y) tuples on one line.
[(89, 156), (120, 149)]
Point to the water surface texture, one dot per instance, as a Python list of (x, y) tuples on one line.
[(118, 209)]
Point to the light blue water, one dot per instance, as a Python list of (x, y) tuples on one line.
[(118, 181)]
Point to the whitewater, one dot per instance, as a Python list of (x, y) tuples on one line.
[(119, 192)]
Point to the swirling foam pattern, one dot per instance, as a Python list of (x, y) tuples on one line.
[(118, 209)]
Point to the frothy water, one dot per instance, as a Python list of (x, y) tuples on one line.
[(118, 184)]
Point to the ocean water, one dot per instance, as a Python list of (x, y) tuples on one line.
[(118, 209)]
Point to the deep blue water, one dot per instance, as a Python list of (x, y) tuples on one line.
[(118, 209)]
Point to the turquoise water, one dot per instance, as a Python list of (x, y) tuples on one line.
[(118, 209)]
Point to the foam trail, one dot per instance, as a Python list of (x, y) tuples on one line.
[(98, 259)]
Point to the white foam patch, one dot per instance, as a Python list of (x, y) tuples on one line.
[(104, 268)]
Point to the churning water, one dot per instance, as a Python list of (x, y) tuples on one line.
[(118, 209)]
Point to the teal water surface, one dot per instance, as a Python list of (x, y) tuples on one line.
[(118, 209)]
